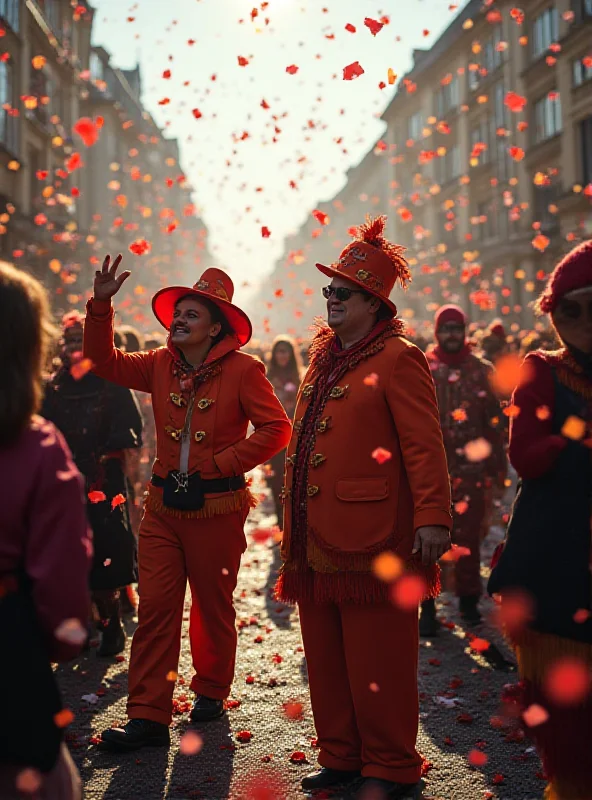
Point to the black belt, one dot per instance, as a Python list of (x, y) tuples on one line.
[(213, 486)]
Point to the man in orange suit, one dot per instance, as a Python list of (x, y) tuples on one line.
[(204, 394), (366, 476)]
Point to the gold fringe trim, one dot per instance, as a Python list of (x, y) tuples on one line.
[(537, 651), (242, 500), (322, 557)]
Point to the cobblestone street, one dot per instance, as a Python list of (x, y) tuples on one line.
[(460, 694)]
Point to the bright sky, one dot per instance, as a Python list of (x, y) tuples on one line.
[(244, 184)]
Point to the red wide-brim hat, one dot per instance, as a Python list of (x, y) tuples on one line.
[(371, 262), (214, 285)]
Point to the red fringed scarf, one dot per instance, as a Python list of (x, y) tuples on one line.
[(298, 580), (191, 377)]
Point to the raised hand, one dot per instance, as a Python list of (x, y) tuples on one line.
[(107, 281)]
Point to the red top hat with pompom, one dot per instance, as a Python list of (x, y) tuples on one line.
[(372, 262), (216, 286)]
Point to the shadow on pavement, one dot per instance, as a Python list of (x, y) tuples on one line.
[(209, 773), (464, 715), (279, 613)]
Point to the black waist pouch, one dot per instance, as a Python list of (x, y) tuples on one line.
[(183, 492)]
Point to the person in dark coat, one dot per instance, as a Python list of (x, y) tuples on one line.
[(541, 573), (100, 422), (471, 419)]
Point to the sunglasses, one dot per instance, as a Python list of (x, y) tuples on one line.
[(573, 310), (341, 293)]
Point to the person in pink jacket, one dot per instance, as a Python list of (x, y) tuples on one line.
[(45, 556)]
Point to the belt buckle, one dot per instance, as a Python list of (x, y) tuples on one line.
[(182, 481)]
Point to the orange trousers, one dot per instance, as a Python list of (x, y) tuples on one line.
[(362, 669), (207, 552)]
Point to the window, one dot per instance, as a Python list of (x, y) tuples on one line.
[(545, 31), (502, 159), (447, 97), (51, 11), (8, 124), (545, 197), (582, 72), (448, 166), (414, 126), (484, 222), (500, 108), (582, 9), (480, 137), (547, 118), (492, 54), (586, 149), (9, 11), (96, 67)]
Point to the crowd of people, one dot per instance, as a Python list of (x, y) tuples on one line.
[(124, 462)]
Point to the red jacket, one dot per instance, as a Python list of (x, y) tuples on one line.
[(238, 393)]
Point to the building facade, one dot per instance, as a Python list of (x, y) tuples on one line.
[(485, 165), (64, 205)]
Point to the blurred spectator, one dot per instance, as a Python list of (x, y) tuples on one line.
[(284, 372), (541, 573), (100, 422), (45, 553), (133, 339)]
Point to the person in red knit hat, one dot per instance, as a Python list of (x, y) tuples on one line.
[(544, 562), (471, 419), (366, 479)]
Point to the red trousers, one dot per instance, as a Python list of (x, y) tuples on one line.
[(207, 552), (467, 531), (362, 670)]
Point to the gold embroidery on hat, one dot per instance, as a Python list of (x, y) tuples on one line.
[(298, 425), (370, 280), (204, 403), (349, 259), (203, 285), (307, 390), (200, 436), (311, 490), (290, 460), (178, 399), (221, 291), (317, 460), (337, 392), (174, 433), (324, 425)]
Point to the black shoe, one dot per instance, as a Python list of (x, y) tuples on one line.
[(112, 639), (428, 624), (469, 609), (135, 734), (325, 777), (377, 789), (206, 709)]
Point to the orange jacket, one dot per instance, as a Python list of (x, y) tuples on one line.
[(356, 505), (224, 404)]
